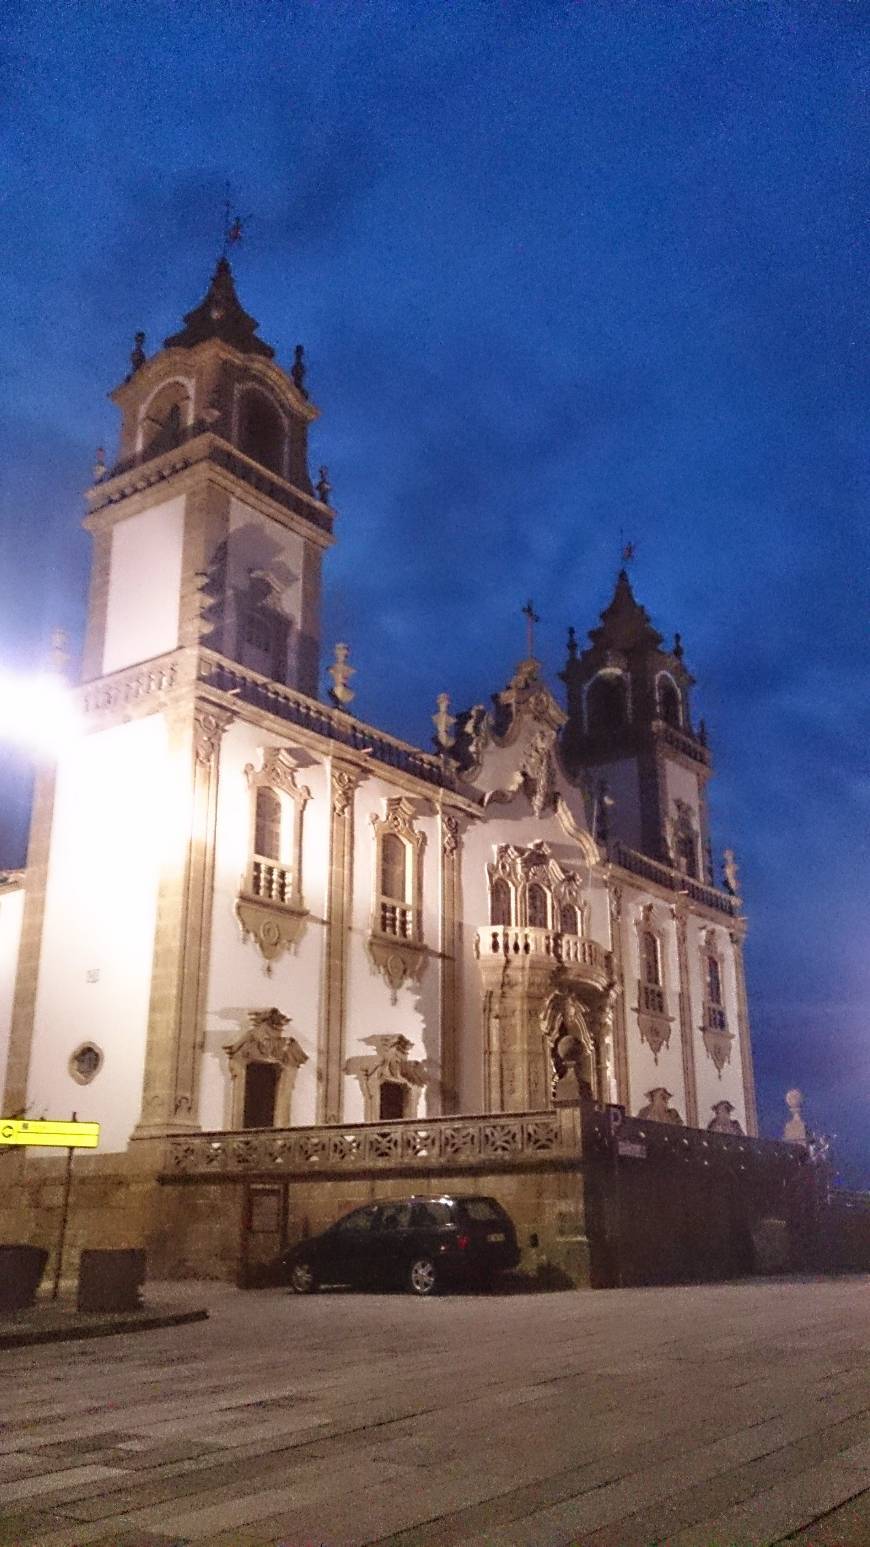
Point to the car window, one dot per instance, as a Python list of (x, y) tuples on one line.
[(481, 1208), (360, 1219), (393, 1216), (432, 1212)]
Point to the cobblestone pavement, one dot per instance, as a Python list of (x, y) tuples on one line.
[(697, 1417)]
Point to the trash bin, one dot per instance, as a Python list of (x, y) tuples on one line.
[(111, 1280), (21, 1268)]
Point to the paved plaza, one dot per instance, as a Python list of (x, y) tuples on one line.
[(697, 1417)]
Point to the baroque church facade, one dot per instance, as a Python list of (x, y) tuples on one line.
[(245, 908)]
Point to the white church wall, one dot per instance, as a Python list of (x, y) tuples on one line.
[(110, 835), (711, 1086), (239, 978), (645, 1071), (260, 546), (144, 585), (416, 1013), (11, 912)]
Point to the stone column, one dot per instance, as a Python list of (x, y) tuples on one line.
[(182, 940), (450, 943), (206, 527), (743, 1033), (620, 1031), (516, 992), (98, 603), (344, 778), (687, 1039), (30, 948)]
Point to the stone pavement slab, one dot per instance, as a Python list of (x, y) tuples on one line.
[(597, 1420)]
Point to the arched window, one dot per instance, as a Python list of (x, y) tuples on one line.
[(714, 980), (536, 907), (570, 919), (669, 703), (651, 970), (261, 431), (500, 903), (395, 915), (267, 824), (165, 419), (606, 704)]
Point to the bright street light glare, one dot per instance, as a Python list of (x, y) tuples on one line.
[(37, 712)]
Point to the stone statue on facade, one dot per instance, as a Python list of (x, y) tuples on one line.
[(657, 1109), (341, 672), (722, 1121)]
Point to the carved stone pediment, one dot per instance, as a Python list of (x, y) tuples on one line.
[(387, 1063), (273, 928), (264, 1042), (399, 961)]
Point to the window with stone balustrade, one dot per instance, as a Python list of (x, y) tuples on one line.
[(270, 904), (654, 1022)]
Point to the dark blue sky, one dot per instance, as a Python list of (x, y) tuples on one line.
[(560, 270)]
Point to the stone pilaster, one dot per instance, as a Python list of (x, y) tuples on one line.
[(743, 1034), (687, 1039), (206, 527), (98, 604), (344, 778), (27, 975), (620, 1028), (182, 941), (449, 961)]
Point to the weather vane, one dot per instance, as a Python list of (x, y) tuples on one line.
[(234, 225), (628, 551), (531, 618)]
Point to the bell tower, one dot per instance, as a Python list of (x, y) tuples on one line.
[(207, 530), (630, 733)]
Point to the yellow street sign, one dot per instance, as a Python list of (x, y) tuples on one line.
[(24, 1130)]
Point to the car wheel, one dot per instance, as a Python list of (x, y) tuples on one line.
[(422, 1277), (302, 1279)]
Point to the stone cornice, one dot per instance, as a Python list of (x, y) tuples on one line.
[(171, 679), (207, 456)]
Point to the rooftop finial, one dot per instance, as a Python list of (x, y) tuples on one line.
[(572, 643), (298, 371), (234, 225), (444, 722), (341, 672), (137, 353), (323, 486), (531, 618)]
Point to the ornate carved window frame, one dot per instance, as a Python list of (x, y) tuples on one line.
[(520, 869), (270, 907), (387, 1064), (263, 1042), (717, 1038), (653, 1021), (398, 953)]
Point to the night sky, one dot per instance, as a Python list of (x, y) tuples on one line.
[(561, 271)]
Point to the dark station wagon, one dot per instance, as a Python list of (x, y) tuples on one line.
[(420, 1244)]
